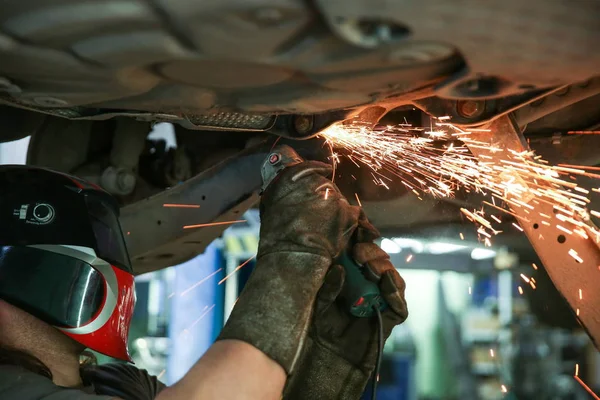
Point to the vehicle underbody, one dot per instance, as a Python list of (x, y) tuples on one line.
[(87, 80)]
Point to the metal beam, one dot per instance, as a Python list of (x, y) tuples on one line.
[(551, 244), (154, 233)]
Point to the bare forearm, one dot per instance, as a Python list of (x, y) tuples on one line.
[(230, 369)]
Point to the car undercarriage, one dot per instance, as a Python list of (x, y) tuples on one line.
[(88, 81)]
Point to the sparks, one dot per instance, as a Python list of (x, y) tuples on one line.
[(492, 353), (498, 220), (526, 279), (580, 294), (357, 199), (239, 221), (520, 290), (415, 158), (167, 205), (587, 388), (206, 311), (565, 230), (576, 369), (575, 256), (326, 193), (518, 227), (200, 282), (470, 290), (534, 266), (532, 284), (503, 388), (242, 265), (409, 258)]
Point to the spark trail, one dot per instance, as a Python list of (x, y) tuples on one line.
[(437, 162)]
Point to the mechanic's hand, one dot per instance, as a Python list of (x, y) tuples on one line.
[(305, 224), (341, 350), (303, 210)]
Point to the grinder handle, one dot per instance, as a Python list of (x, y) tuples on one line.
[(359, 294)]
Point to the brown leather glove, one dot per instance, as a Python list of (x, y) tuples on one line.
[(341, 350), (305, 224)]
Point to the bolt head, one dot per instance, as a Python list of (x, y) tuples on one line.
[(126, 181), (303, 124), (470, 108)]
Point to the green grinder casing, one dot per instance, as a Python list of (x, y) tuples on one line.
[(359, 294)]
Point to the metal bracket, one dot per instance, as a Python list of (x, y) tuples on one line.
[(578, 282), (154, 233)]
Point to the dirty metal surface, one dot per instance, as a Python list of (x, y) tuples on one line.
[(551, 244)]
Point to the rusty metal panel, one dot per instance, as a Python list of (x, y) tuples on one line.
[(576, 278), (154, 233)]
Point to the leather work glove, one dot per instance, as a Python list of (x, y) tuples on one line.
[(305, 224), (341, 350)]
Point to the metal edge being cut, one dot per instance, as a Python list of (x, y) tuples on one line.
[(155, 235), (568, 275)]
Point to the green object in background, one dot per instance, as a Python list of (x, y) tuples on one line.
[(360, 294)]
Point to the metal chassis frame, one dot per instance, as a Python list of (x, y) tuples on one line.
[(154, 233), (566, 273)]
